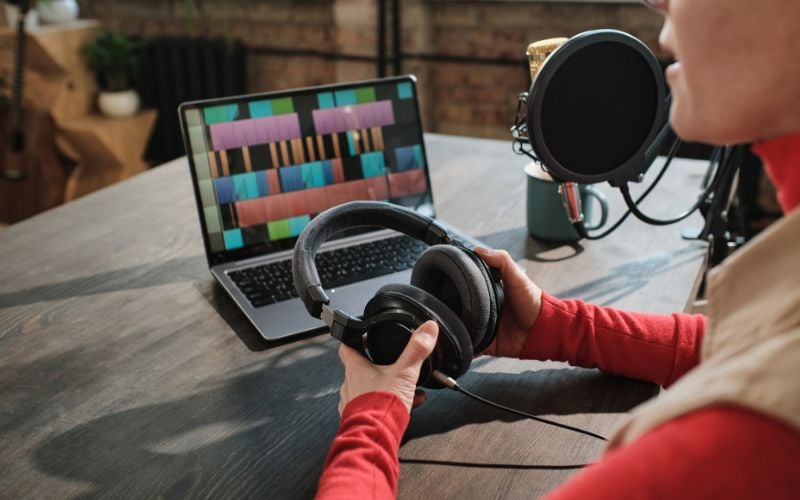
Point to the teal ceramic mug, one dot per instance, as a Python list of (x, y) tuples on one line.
[(547, 219)]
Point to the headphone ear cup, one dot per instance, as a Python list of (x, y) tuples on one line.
[(454, 341), (451, 275)]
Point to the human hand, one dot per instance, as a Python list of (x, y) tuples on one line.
[(362, 376), (523, 301)]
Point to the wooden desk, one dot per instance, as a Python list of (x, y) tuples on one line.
[(127, 372)]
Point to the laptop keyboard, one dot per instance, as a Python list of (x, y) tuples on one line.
[(270, 283)]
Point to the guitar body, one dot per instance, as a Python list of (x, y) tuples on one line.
[(31, 176), (43, 176)]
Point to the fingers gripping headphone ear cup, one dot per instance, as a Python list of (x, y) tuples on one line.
[(451, 331), (449, 274)]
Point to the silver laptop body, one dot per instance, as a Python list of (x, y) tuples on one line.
[(264, 164)]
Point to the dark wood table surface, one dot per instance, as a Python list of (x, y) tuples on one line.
[(127, 372)]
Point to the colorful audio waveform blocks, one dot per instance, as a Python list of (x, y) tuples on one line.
[(265, 167), (255, 131), (355, 117)]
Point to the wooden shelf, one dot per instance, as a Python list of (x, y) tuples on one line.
[(114, 145), (58, 82), (57, 79)]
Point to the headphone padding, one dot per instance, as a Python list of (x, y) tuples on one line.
[(449, 323), (443, 264)]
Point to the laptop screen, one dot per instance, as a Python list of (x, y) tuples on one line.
[(265, 165)]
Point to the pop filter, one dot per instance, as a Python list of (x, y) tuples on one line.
[(598, 109)]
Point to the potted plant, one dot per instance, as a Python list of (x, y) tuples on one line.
[(114, 59)]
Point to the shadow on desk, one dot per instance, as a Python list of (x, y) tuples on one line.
[(260, 430), (149, 275), (620, 282), (264, 429), (518, 243), (558, 391), (218, 298), (629, 278)]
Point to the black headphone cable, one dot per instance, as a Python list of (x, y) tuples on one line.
[(452, 384)]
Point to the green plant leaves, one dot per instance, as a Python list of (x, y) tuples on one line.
[(114, 59)]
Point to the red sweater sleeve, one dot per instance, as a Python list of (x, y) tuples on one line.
[(718, 452), (363, 462), (653, 347)]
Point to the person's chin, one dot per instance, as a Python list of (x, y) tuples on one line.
[(696, 119), (693, 129), (687, 127), (683, 125)]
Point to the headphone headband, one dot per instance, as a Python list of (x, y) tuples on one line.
[(353, 215)]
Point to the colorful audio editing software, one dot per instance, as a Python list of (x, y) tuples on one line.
[(266, 167)]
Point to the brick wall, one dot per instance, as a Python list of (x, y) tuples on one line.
[(458, 98), (480, 100)]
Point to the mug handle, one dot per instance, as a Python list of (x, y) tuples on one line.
[(600, 197)]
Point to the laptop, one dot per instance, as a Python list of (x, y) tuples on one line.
[(264, 165)]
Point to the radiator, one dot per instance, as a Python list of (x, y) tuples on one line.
[(179, 69)]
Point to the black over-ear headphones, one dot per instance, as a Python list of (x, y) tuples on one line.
[(450, 284)]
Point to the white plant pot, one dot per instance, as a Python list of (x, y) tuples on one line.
[(57, 11), (118, 104)]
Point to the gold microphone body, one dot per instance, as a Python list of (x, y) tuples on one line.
[(539, 51)]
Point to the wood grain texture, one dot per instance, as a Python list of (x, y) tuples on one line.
[(127, 372)]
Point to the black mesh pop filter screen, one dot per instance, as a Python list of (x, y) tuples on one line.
[(595, 105), (598, 108)]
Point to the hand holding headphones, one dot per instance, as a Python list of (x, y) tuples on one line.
[(449, 285), (522, 306), (361, 376), (523, 301)]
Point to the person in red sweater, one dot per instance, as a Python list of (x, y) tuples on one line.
[(729, 426)]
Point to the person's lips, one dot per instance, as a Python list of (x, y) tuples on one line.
[(673, 70)]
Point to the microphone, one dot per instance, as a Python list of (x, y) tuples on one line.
[(538, 52)]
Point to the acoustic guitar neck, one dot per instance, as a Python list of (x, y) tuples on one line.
[(14, 163)]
